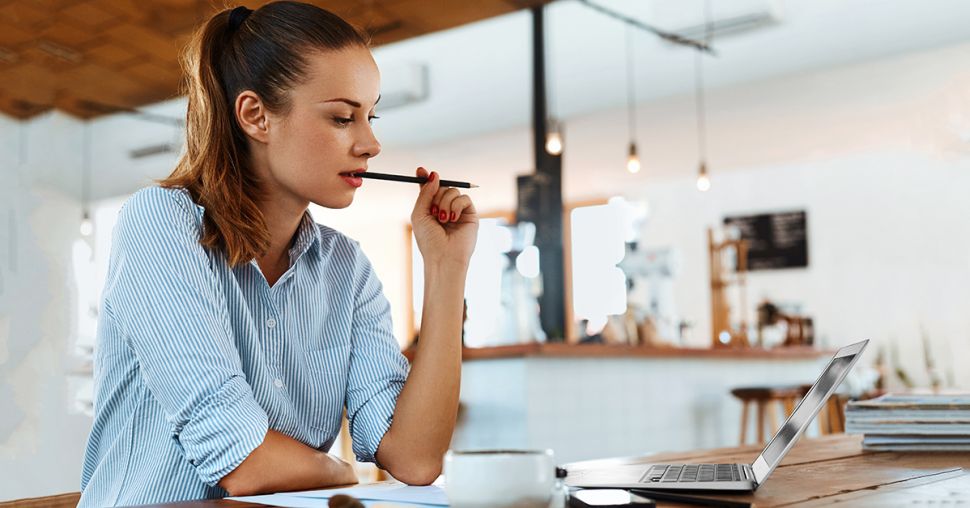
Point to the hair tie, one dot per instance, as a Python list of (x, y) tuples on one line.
[(237, 17)]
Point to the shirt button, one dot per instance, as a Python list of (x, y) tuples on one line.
[(278, 382), (270, 322)]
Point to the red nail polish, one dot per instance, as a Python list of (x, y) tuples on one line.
[(454, 216), (443, 216), (433, 176), (434, 210)]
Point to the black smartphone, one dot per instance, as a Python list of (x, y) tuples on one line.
[(607, 498)]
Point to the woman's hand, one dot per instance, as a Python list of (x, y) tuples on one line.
[(445, 223), (282, 463)]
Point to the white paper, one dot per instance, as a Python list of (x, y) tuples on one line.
[(372, 495)]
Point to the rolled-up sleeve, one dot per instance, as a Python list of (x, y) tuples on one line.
[(164, 297), (378, 370)]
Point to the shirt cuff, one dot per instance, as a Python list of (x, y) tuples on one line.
[(224, 429), (370, 423)]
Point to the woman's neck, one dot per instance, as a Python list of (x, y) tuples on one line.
[(282, 223)]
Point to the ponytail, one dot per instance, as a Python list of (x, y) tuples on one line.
[(232, 52)]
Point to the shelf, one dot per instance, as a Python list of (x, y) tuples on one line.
[(557, 350)]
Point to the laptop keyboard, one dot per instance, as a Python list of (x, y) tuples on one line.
[(665, 473)]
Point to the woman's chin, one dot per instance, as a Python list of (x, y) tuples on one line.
[(336, 202)]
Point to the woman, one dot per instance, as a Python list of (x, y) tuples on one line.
[(234, 330)]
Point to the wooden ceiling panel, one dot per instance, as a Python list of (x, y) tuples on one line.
[(50, 5), (29, 82), (68, 34), (91, 15), (124, 53), (158, 75), (144, 39), (51, 56), (20, 108), (12, 35), (25, 15), (132, 10), (106, 87), (176, 18), (431, 16), (111, 54)]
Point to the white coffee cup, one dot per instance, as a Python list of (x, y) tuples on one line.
[(500, 478)]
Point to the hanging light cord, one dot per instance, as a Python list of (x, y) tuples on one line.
[(699, 101), (630, 86), (699, 86), (86, 168), (22, 148), (551, 104)]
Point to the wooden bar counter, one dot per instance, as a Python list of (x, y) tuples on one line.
[(560, 350), (595, 400)]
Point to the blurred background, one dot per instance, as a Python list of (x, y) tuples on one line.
[(683, 197)]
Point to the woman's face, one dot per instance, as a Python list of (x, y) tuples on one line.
[(326, 133)]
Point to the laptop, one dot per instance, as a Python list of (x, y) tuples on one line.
[(729, 477)]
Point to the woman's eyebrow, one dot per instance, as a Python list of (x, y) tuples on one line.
[(348, 101), (352, 103)]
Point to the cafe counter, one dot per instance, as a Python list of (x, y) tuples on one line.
[(590, 401)]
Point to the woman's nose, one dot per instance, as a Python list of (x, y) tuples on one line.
[(368, 146)]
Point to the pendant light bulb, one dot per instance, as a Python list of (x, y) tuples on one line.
[(87, 227), (703, 181), (554, 143), (632, 161)]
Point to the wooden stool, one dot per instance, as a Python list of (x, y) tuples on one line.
[(831, 419), (765, 398)]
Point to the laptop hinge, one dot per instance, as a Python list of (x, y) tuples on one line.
[(749, 473)]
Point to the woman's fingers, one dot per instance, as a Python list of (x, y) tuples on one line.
[(428, 191), (459, 206), (445, 204), (442, 203)]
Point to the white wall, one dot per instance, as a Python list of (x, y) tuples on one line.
[(888, 250), (42, 436)]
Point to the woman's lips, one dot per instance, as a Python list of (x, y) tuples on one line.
[(353, 181)]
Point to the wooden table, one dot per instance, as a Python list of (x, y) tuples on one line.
[(817, 472), (833, 470)]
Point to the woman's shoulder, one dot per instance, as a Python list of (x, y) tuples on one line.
[(156, 205), (339, 245), (336, 241), (161, 199)]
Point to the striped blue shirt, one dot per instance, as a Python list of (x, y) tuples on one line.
[(196, 360)]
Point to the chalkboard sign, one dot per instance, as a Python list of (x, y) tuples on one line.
[(775, 240)]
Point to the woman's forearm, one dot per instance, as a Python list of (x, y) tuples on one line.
[(282, 464), (424, 417)]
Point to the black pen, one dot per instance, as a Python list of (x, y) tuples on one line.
[(413, 179)]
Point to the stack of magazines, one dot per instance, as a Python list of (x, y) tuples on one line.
[(896, 422)]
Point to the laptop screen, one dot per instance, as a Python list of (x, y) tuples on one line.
[(809, 406)]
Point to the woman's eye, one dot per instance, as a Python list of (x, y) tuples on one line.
[(372, 118), (342, 121)]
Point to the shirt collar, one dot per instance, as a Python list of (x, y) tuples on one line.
[(307, 235)]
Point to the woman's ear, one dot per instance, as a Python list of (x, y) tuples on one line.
[(252, 116)]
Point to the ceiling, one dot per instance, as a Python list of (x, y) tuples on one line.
[(73, 55), (481, 73), (480, 81)]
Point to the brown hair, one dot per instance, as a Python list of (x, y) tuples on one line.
[(266, 53)]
